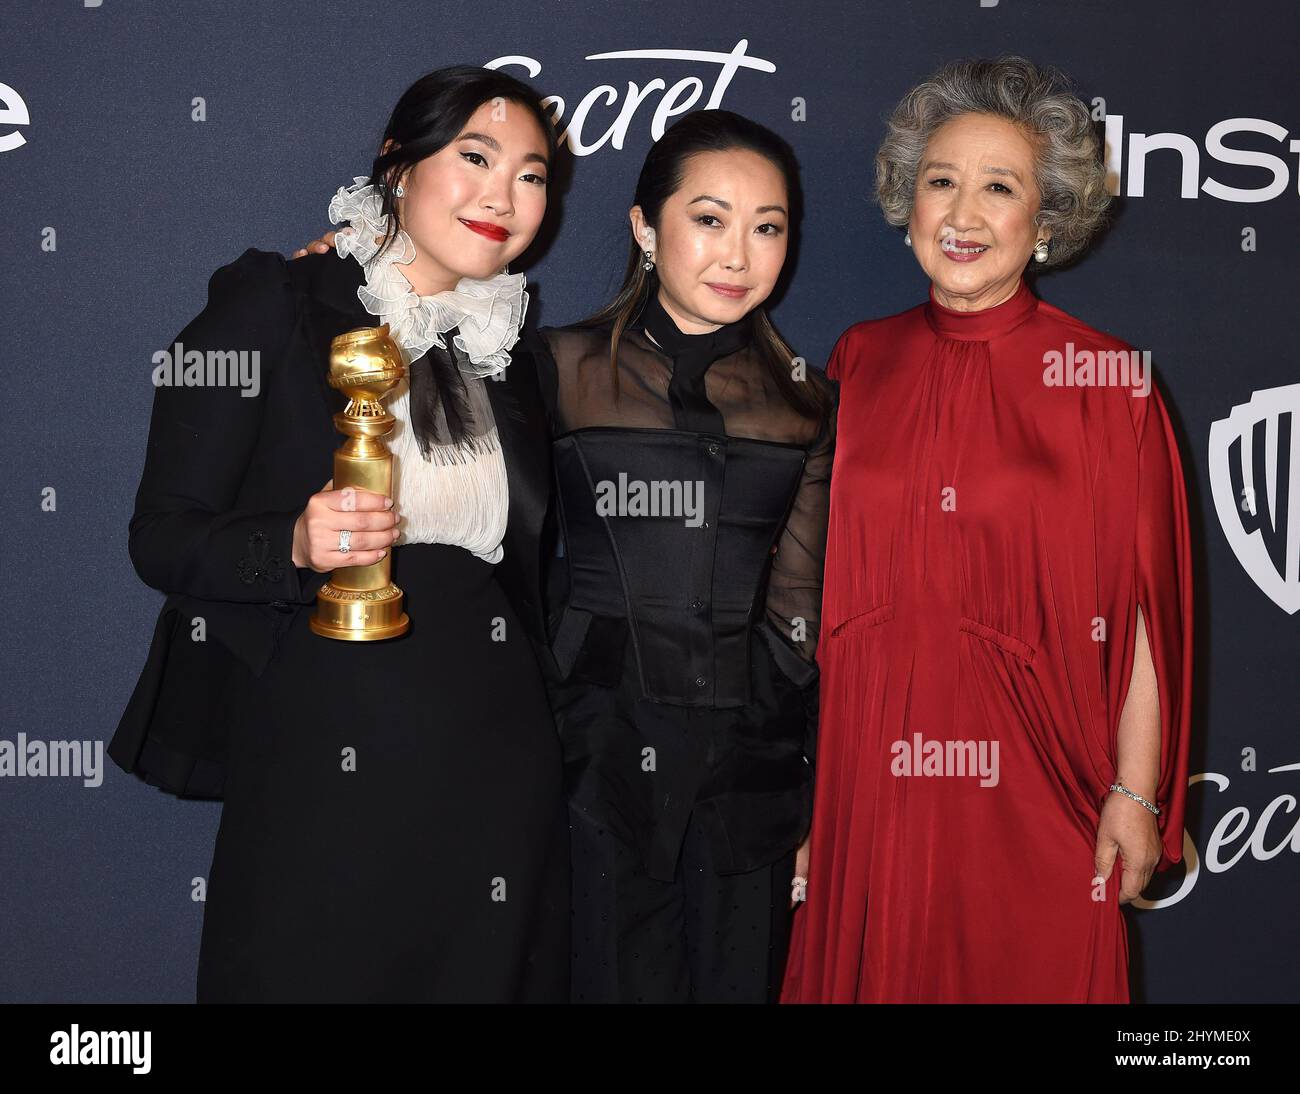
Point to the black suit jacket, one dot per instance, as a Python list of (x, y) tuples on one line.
[(225, 478)]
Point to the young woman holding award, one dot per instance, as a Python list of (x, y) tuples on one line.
[(393, 827)]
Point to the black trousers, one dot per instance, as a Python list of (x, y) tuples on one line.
[(701, 938)]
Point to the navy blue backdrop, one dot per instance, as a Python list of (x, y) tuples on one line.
[(122, 193)]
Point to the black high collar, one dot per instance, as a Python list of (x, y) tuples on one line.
[(692, 356), (726, 339)]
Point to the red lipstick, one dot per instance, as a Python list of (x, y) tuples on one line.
[(492, 231)]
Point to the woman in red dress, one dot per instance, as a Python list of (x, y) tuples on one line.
[(1006, 626)]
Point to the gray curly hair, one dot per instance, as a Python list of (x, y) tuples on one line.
[(1069, 171)]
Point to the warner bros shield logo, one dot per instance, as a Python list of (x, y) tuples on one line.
[(1255, 478)]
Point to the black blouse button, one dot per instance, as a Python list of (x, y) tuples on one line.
[(713, 449), (697, 604), (700, 681)]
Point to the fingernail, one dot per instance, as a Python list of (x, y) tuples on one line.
[(382, 553), (388, 503)]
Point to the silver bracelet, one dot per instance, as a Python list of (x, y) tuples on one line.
[(1120, 788)]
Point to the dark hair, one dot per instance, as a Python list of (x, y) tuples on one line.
[(662, 175), (431, 113)]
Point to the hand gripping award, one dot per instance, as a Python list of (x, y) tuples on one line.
[(361, 603)]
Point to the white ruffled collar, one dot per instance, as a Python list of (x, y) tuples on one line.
[(488, 312)]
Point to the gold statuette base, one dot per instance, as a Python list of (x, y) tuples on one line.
[(359, 616)]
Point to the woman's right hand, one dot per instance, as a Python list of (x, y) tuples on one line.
[(370, 517), (798, 892), (319, 246)]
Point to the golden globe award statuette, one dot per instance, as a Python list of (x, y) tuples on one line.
[(361, 603)]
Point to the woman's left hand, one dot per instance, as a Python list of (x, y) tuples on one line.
[(1130, 830)]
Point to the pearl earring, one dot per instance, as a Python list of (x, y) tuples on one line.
[(908, 239), (1040, 251)]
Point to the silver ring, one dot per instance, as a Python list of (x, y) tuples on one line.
[(345, 541)]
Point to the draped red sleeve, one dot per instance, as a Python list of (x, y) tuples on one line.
[(1163, 580)]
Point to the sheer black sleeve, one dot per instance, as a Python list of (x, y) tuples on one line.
[(794, 590), (548, 375)]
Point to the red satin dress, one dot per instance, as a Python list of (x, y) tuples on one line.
[(991, 538)]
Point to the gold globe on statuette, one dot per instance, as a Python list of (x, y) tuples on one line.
[(361, 603)]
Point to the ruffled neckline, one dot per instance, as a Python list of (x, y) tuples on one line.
[(486, 313)]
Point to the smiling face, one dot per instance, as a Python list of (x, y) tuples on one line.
[(972, 222), (721, 239), (474, 205)]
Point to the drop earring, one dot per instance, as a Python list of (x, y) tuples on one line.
[(649, 263), (1040, 251), (908, 239)]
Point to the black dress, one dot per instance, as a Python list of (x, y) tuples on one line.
[(390, 829), (684, 681), (393, 827)]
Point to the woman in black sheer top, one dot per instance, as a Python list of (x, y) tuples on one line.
[(692, 458)]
